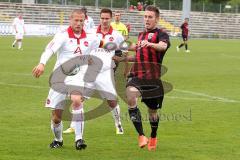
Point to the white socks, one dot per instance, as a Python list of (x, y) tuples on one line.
[(57, 131), (19, 45), (72, 125), (116, 115), (15, 41), (78, 123)]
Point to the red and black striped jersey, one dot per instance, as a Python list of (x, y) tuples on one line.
[(184, 28), (148, 61)]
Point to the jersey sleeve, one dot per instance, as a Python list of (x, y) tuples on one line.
[(53, 46), (164, 37), (125, 30)]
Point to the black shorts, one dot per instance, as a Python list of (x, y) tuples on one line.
[(152, 91), (184, 37)]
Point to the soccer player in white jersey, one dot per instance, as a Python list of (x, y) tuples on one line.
[(72, 42), (105, 82), (88, 23), (19, 30)]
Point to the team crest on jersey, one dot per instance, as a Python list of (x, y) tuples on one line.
[(150, 35), (85, 43), (78, 51), (111, 39), (48, 101)]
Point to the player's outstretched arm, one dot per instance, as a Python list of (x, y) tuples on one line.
[(52, 47), (38, 70)]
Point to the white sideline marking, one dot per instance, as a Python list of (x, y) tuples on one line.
[(21, 74), (210, 98), (23, 85), (230, 56), (200, 99)]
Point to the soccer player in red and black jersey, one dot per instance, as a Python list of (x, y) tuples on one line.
[(144, 78), (185, 32)]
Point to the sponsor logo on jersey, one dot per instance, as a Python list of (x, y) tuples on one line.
[(111, 39), (150, 35), (85, 43), (78, 51), (48, 101)]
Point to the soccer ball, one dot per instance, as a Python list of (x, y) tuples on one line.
[(70, 70)]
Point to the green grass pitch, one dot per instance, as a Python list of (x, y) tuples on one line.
[(199, 120)]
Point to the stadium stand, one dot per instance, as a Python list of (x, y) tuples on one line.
[(202, 24)]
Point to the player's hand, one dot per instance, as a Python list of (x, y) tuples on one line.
[(38, 70), (120, 59)]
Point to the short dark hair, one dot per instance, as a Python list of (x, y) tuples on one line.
[(106, 10), (84, 9), (153, 9)]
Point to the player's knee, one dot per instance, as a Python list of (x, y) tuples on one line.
[(56, 117), (76, 101), (153, 114), (112, 103), (131, 101), (132, 95)]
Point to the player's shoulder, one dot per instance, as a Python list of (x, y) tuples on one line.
[(90, 18), (62, 33)]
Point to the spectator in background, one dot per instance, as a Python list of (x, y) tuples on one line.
[(131, 8), (139, 6)]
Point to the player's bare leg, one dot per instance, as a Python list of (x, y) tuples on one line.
[(116, 115), (154, 121), (78, 120), (135, 114), (57, 126)]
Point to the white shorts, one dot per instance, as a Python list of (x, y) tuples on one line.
[(19, 35), (57, 100), (104, 84)]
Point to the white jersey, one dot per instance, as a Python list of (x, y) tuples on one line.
[(88, 23), (18, 25), (103, 54), (68, 46)]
